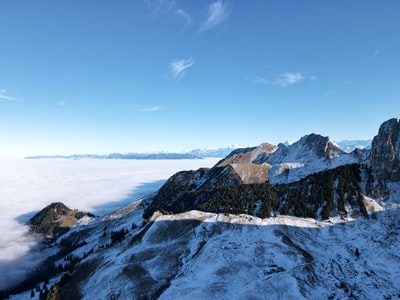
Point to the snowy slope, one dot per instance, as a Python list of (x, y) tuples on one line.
[(198, 255)]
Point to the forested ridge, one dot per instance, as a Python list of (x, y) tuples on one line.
[(316, 196)]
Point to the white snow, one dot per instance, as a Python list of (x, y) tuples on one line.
[(241, 219), (211, 256)]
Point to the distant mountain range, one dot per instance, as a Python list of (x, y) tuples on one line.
[(122, 156), (349, 145), (346, 146)]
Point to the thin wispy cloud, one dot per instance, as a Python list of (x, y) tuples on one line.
[(376, 53), (258, 80), (159, 7), (168, 10), (313, 78), (217, 13), (61, 103), (282, 79), (150, 108), (5, 97), (186, 16), (286, 79), (180, 66), (339, 89)]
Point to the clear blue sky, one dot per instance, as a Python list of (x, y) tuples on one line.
[(100, 76)]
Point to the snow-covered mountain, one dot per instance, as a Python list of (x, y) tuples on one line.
[(219, 152), (350, 145), (346, 145), (284, 164), (301, 221)]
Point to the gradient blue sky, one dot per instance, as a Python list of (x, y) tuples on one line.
[(134, 76)]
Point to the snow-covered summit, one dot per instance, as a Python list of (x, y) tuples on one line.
[(288, 163)]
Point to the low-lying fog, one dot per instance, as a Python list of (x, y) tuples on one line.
[(93, 185)]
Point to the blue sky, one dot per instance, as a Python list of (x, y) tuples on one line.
[(136, 76)]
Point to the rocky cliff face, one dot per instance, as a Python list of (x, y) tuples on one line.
[(187, 189), (385, 151)]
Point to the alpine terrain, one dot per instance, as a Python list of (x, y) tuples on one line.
[(300, 221)]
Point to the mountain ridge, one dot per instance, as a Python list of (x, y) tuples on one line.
[(267, 179)]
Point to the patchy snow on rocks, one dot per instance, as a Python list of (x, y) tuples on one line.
[(197, 255)]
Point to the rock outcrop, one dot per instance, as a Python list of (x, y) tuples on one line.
[(55, 220), (385, 151)]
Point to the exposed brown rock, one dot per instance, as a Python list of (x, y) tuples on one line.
[(54, 220)]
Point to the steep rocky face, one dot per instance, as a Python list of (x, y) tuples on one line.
[(248, 155), (307, 150), (246, 163), (385, 151), (54, 220), (187, 189)]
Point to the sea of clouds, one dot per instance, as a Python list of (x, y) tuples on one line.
[(93, 185)]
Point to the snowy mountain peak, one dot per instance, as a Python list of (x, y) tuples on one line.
[(288, 163), (282, 164), (322, 146), (307, 150)]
